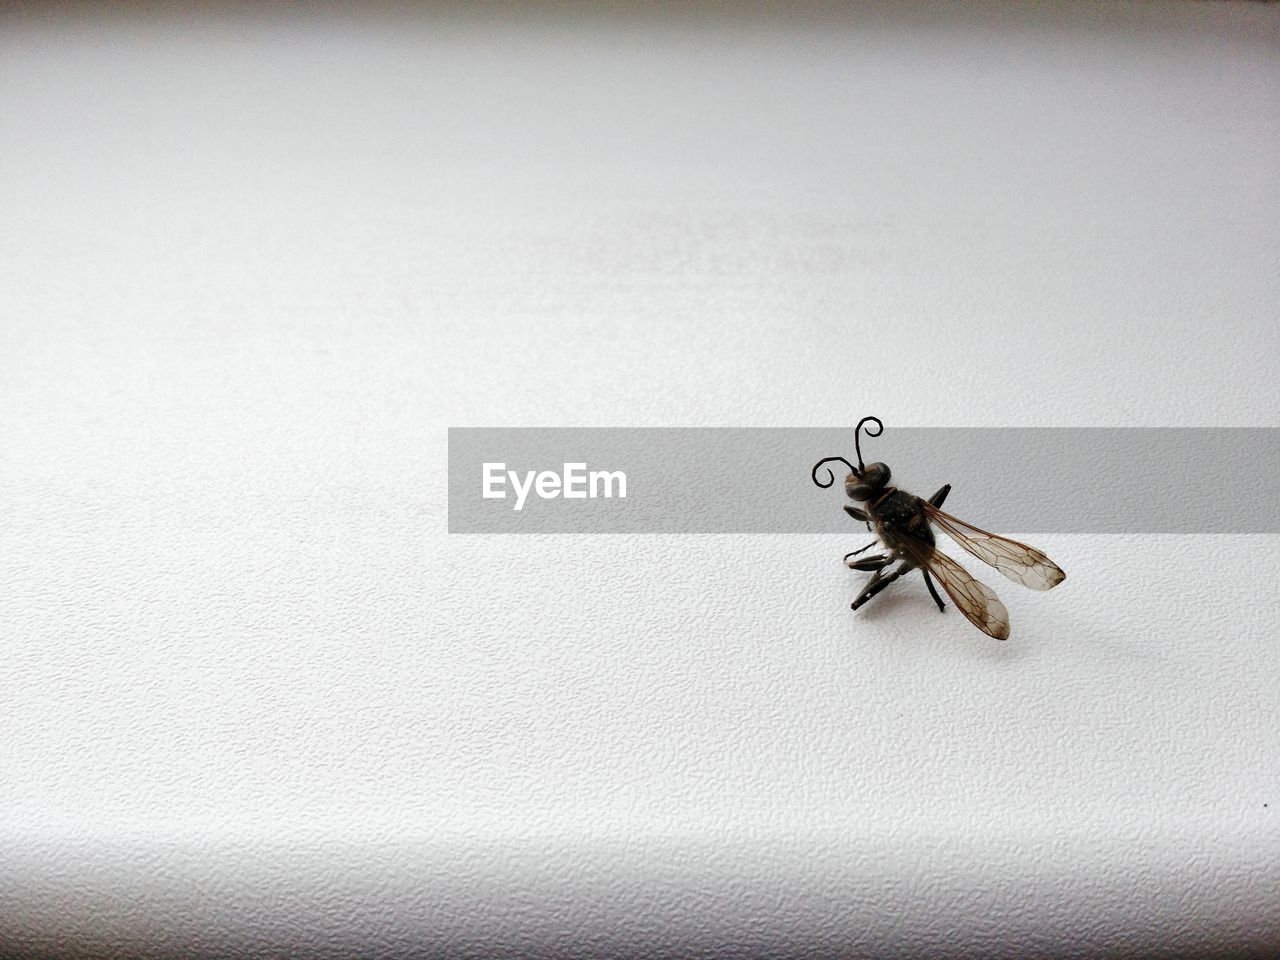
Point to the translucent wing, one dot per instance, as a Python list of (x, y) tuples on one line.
[(974, 599), (1017, 561)]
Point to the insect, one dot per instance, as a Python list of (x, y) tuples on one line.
[(902, 523)]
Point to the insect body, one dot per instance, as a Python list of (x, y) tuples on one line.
[(903, 527)]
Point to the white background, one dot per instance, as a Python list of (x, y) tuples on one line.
[(254, 698)]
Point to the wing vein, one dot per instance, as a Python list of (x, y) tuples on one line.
[(1017, 561), (973, 598)]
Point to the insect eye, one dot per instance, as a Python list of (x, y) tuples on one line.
[(858, 491), (877, 474)]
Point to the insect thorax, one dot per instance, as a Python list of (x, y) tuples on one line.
[(900, 512)]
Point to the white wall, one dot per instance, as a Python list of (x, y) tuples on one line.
[(254, 697)]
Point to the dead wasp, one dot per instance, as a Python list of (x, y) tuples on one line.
[(902, 526)]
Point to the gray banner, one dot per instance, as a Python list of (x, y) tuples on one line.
[(746, 480)]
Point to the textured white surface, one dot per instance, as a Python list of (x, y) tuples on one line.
[(254, 698)]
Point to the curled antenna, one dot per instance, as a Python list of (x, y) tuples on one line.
[(857, 437), (857, 445), (831, 476)]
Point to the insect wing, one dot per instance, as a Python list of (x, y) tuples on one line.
[(973, 598), (1017, 561)]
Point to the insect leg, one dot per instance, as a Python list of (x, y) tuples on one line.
[(860, 550), (858, 515), (937, 500), (874, 586), (872, 564), (878, 583), (933, 592)]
